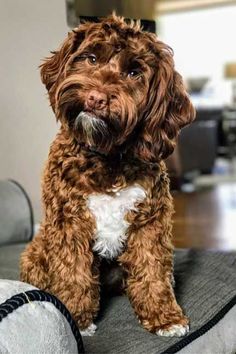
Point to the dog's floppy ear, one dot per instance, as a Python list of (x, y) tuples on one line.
[(52, 66), (168, 108)]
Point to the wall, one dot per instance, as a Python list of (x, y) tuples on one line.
[(28, 30)]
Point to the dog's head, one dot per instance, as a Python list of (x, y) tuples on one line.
[(115, 87)]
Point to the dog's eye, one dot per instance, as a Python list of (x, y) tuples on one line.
[(79, 58), (92, 58), (133, 73)]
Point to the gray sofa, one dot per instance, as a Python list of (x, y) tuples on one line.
[(16, 226), (205, 288)]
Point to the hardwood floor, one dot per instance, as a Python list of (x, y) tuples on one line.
[(206, 219)]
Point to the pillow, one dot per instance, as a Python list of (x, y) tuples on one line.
[(33, 321)]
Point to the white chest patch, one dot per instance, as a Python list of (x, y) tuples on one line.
[(109, 212)]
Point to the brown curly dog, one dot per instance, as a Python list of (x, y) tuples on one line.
[(121, 104)]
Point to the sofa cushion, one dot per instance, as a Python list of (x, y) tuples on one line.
[(33, 321), (205, 288)]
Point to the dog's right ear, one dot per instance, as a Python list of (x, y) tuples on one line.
[(54, 65)]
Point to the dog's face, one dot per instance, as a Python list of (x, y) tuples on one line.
[(115, 87)]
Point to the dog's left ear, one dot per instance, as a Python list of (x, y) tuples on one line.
[(168, 108)]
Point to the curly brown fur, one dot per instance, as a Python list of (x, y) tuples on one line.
[(121, 105)]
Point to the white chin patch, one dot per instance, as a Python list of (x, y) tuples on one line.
[(89, 332), (91, 124), (173, 331)]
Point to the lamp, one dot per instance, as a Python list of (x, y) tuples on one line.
[(230, 73)]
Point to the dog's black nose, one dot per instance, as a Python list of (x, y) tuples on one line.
[(96, 100)]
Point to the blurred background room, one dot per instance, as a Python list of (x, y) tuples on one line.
[(203, 166)]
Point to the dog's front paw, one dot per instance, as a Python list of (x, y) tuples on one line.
[(89, 331), (176, 330), (177, 327)]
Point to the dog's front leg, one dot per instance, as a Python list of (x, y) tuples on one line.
[(148, 261)]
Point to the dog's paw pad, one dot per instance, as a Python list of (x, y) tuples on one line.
[(89, 332), (173, 331)]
